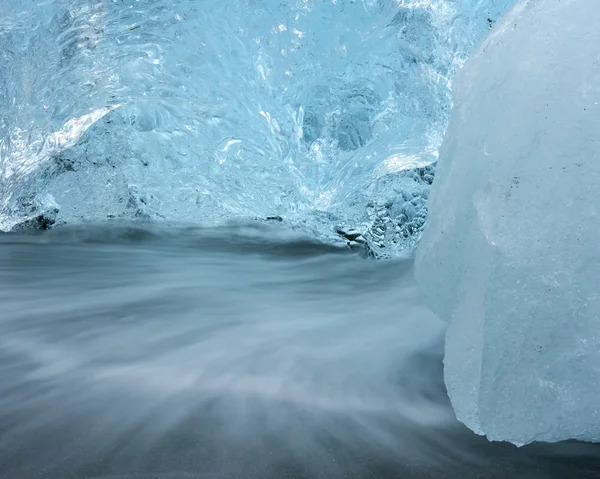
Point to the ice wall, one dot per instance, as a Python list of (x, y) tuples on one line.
[(510, 257), (318, 112)]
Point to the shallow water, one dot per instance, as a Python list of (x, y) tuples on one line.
[(235, 352)]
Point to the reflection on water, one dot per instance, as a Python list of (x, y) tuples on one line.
[(240, 352)]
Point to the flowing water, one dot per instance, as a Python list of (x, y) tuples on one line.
[(236, 352)]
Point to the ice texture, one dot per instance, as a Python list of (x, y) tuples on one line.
[(510, 256), (323, 113)]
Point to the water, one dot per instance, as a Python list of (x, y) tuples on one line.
[(236, 352)]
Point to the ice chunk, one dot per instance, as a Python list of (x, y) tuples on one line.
[(317, 112), (510, 257)]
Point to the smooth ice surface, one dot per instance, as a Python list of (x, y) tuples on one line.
[(511, 253), (318, 112)]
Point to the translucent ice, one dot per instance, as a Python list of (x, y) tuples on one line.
[(511, 256), (318, 112)]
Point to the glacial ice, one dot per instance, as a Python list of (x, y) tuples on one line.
[(510, 256), (327, 114)]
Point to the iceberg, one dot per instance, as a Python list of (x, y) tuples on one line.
[(510, 255), (327, 114)]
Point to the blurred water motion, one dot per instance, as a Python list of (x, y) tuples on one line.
[(239, 352)]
